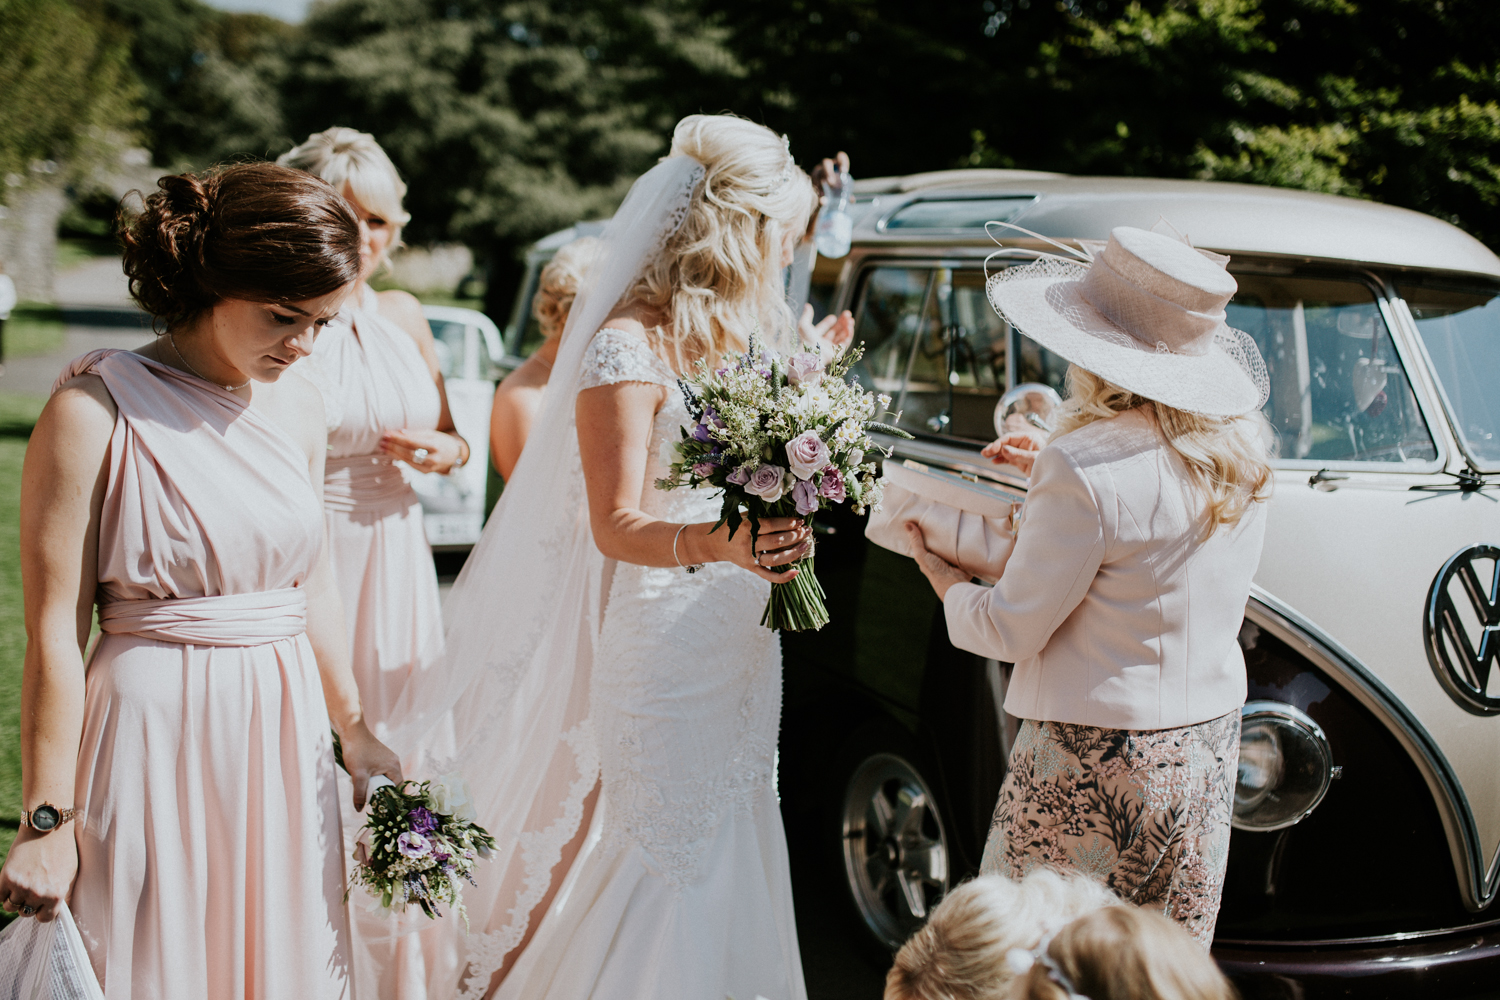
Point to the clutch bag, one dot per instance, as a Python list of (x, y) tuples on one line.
[(969, 523)]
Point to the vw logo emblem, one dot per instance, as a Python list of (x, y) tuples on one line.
[(1461, 659)]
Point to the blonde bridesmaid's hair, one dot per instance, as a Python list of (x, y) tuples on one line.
[(1227, 458), (352, 160), (1125, 953), (718, 279), (960, 953), (559, 283)]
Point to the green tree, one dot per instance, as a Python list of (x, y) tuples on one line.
[(212, 79), (71, 105), (508, 120)]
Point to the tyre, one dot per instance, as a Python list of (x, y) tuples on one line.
[(895, 847)]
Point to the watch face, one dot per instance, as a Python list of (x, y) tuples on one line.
[(44, 818)]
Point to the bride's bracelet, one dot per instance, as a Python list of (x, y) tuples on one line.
[(691, 569)]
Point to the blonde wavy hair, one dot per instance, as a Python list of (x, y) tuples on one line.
[(718, 279), (559, 283), (353, 162), (959, 954), (1227, 458), (1126, 953)]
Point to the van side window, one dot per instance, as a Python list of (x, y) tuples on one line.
[(1338, 390), (1460, 327), (933, 342)]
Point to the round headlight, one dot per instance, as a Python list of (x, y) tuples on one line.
[(1285, 767)]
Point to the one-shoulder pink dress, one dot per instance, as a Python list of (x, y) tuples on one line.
[(209, 856), (374, 379)]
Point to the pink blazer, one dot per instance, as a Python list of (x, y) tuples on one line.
[(1113, 608)]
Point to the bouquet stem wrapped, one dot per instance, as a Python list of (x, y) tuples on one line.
[(780, 439)]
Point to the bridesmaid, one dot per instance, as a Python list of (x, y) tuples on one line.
[(178, 487), (383, 388)]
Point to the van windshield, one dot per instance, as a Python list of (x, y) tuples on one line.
[(1460, 327)]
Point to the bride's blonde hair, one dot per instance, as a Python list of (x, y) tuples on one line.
[(1227, 458), (718, 279)]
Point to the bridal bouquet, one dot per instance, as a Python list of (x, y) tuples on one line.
[(780, 438), (419, 841)]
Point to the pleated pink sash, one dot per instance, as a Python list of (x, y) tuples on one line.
[(229, 620), (364, 481)]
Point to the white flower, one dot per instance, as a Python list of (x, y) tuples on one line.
[(667, 453), (855, 457), (450, 797)]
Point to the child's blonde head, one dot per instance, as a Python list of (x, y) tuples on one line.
[(961, 953), (1125, 953)]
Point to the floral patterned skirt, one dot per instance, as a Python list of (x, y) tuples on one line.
[(1144, 811)]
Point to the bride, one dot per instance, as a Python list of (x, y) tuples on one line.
[(614, 702)]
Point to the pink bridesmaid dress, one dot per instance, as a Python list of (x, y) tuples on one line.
[(209, 856), (374, 379)]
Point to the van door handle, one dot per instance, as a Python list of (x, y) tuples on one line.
[(1326, 481)]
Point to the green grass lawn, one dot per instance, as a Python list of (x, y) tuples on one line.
[(17, 416), (33, 329)]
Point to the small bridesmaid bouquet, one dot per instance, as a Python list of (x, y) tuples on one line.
[(419, 844), (780, 439)]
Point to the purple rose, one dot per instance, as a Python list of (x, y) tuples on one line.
[(413, 845), (832, 486), (765, 482), (704, 469), (806, 454), (422, 821), (700, 433), (804, 367), (740, 476), (805, 496)]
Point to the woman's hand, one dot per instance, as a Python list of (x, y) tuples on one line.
[(831, 336), (939, 572), (443, 449), (39, 871), (782, 540), (1018, 449), (365, 757)]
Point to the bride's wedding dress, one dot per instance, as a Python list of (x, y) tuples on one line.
[(683, 889), (563, 669)]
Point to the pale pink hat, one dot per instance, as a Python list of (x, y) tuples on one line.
[(1146, 312)]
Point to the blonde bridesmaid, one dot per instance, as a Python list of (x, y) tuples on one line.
[(180, 785), (381, 382)]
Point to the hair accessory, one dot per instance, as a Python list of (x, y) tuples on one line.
[(1019, 961), (1146, 311)]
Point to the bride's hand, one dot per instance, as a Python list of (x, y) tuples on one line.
[(781, 540), (365, 757)]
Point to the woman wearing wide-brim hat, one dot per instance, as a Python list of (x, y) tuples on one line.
[(1122, 601)]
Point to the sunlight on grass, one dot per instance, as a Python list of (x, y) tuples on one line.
[(33, 329)]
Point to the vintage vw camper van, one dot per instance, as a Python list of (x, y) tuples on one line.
[(1366, 855)]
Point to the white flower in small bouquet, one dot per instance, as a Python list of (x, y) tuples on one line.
[(419, 845), (780, 438)]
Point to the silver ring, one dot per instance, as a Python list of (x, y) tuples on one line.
[(419, 456), (27, 911)]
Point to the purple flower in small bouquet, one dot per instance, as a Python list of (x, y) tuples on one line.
[(419, 844), (780, 439)]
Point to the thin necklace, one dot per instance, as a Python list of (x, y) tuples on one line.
[(228, 388)]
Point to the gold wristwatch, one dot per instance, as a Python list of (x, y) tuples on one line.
[(46, 817)]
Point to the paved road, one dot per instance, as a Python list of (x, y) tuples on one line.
[(98, 312)]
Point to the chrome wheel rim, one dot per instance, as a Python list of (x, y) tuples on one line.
[(895, 848)]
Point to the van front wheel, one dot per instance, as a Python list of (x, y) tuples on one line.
[(895, 848)]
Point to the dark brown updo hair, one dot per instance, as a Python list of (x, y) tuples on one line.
[(253, 231)]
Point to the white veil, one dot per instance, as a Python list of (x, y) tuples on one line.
[(508, 706)]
